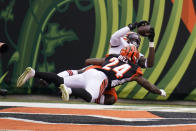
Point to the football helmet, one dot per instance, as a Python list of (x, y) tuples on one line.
[(134, 38), (131, 53)]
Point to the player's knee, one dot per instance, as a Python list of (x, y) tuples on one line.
[(88, 97), (82, 93), (109, 99)]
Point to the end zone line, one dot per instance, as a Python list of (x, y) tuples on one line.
[(94, 106)]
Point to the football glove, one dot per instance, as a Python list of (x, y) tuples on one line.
[(138, 24), (163, 93)]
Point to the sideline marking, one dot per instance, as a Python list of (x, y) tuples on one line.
[(109, 107)]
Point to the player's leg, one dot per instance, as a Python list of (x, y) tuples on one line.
[(96, 84), (77, 85), (78, 92), (67, 73), (50, 78), (92, 81), (57, 80), (75, 72), (81, 93), (47, 76)]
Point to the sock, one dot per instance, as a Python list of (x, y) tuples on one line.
[(50, 77), (82, 93)]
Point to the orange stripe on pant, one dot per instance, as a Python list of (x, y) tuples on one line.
[(102, 89)]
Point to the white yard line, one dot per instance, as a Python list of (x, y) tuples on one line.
[(90, 106)]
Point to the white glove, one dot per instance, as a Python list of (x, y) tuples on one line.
[(163, 93)]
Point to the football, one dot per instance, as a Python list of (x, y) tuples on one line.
[(144, 30)]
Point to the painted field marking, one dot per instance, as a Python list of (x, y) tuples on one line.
[(11, 118), (94, 106)]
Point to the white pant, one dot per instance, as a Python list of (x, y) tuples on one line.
[(93, 81)]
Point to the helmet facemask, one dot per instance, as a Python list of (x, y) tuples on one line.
[(134, 39)]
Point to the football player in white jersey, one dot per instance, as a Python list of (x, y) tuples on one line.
[(119, 39), (124, 37)]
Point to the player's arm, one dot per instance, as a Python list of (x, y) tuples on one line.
[(115, 38), (94, 61), (151, 55), (149, 62), (148, 86)]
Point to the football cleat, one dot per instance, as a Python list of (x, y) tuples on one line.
[(26, 75), (65, 92), (3, 92)]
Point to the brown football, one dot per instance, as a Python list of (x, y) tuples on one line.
[(144, 30)]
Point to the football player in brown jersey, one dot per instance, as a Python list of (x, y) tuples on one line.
[(95, 81)]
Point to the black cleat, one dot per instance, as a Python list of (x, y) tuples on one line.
[(3, 92)]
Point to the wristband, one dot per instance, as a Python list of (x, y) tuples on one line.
[(151, 44), (146, 63)]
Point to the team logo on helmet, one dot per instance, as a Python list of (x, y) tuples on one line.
[(131, 53)]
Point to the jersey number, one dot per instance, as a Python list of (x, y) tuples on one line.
[(119, 70)]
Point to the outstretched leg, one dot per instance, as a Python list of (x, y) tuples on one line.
[(47, 76), (50, 78)]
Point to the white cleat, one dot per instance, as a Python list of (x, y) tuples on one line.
[(26, 75), (65, 92)]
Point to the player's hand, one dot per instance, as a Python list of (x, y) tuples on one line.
[(142, 23), (132, 26), (152, 34), (163, 93)]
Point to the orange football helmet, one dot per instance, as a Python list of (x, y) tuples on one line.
[(131, 53)]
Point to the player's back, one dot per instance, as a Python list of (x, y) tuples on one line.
[(117, 67)]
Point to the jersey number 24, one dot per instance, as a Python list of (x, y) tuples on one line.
[(119, 70)]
